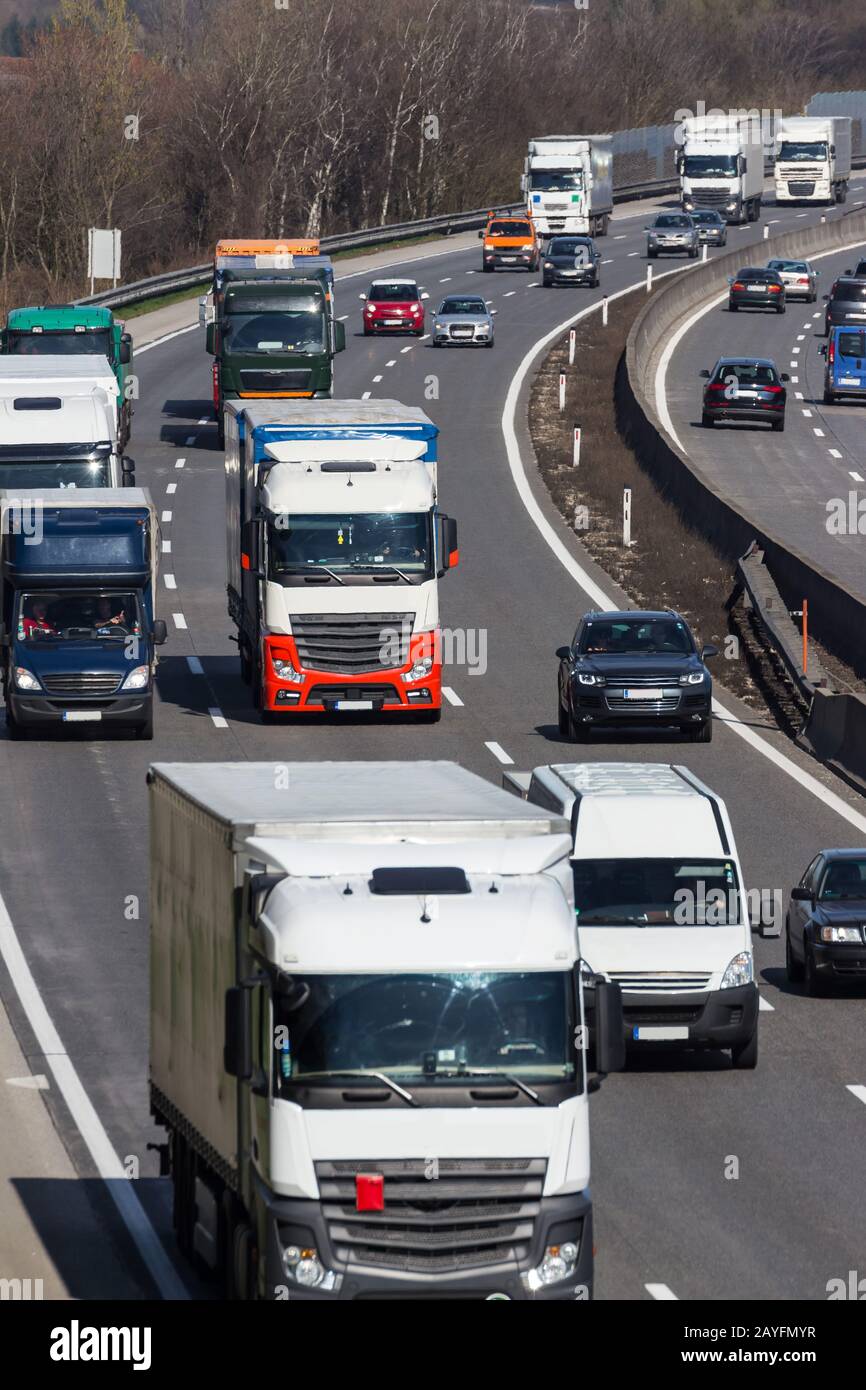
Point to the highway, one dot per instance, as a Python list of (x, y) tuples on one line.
[(73, 847)]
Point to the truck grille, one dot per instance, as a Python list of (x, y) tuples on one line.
[(711, 197), (80, 684), (475, 1213), (660, 981), (800, 188), (352, 642), (264, 380)]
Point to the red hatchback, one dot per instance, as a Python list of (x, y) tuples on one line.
[(394, 306)]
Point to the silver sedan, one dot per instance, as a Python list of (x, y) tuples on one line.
[(463, 320), (800, 278)]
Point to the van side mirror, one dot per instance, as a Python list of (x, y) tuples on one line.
[(159, 632), (125, 349), (127, 471), (237, 1045), (339, 336)]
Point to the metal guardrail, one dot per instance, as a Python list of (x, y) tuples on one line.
[(775, 618)]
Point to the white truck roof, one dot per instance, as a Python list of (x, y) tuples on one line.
[(323, 414), (400, 486), (77, 373), (79, 496), (806, 127), (81, 419), (389, 448)]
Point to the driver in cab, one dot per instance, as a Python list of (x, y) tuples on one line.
[(35, 621)]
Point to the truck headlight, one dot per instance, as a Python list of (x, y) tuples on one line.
[(739, 972), (558, 1264), (286, 671), (419, 669), (848, 934), (692, 678), (527, 247), (303, 1267), (137, 679), (24, 680)]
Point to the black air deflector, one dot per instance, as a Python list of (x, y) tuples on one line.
[(338, 466), (427, 879), (37, 403)]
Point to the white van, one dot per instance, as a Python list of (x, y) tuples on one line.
[(659, 899)]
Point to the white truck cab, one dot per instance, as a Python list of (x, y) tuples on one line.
[(59, 423)]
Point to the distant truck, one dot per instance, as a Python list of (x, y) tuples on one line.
[(59, 424), (335, 548), (270, 322), (78, 631), (568, 183), (721, 166), (368, 1032), (70, 330), (813, 159)]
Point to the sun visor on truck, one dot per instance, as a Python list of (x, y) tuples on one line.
[(387, 448)]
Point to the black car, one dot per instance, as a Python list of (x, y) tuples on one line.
[(745, 388), (571, 260), (634, 668), (756, 287), (846, 302), (859, 271), (712, 227), (825, 930)]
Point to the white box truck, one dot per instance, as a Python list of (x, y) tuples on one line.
[(367, 1032), (659, 900), (721, 166), (568, 183), (813, 159)]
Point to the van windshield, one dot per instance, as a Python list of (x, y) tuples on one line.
[(65, 344), (657, 893), (852, 345)]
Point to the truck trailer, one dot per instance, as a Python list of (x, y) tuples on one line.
[(568, 183), (721, 166), (335, 549), (368, 1027), (813, 159), (59, 424)]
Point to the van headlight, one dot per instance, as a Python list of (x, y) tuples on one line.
[(137, 679), (558, 1264), (25, 680), (741, 971)]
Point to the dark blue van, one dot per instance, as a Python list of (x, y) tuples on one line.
[(845, 370)]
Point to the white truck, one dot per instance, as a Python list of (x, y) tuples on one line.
[(568, 183), (59, 423), (813, 159), (721, 166), (367, 1032), (659, 900)]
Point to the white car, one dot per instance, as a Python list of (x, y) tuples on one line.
[(800, 278)]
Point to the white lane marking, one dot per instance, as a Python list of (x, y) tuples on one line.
[(772, 221), (179, 463), (817, 314), (191, 440), (205, 420), (29, 1083), (392, 363), (195, 665), (764, 1006), (499, 752), (819, 433), (166, 516), (858, 1091), (342, 317), (451, 696), (794, 363), (166, 547), (856, 476), (179, 621), (661, 1293), (220, 722), (106, 1160), (799, 395), (365, 395), (608, 262), (445, 279), (795, 378), (509, 293), (632, 253), (166, 338), (795, 351), (621, 237), (408, 349), (376, 378), (598, 596), (423, 336), (171, 487), (170, 581), (800, 337), (471, 272), (807, 413), (835, 454), (802, 214), (807, 324)]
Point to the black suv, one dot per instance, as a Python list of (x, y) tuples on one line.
[(846, 303), (825, 930), (634, 668)]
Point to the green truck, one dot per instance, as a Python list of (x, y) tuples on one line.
[(60, 329)]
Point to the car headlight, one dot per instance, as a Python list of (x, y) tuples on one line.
[(548, 265), (558, 1264), (847, 934), (286, 671), (692, 678), (739, 972), (587, 678), (370, 309), (137, 679), (420, 668), (303, 1267), (24, 680), (414, 308), (439, 328)]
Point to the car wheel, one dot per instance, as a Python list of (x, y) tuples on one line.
[(829, 397), (546, 283), (651, 255), (813, 982), (367, 331), (793, 967), (780, 308), (744, 1056), (489, 344), (693, 254), (732, 307), (563, 720), (487, 269), (14, 730), (595, 283), (707, 421), (779, 426), (703, 732)]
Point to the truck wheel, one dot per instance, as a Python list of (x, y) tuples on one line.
[(183, 1175), (745, 1055), (221, 433), (706, 421), (486, 268), (246, 663)]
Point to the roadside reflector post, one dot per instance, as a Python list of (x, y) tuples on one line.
[(604, 312), (626, 516), (561, 392), (766, 232), (572, 343), (823, 217), (575, 450), (649, 278), (704, 253)]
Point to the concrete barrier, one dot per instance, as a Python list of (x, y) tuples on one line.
[(836, 733)]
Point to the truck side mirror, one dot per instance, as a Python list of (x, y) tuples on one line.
[(210, 338), (609, 1028), (125, 349), (250, 547), (446, 544), (339, 336), (481, 234), (237, 1046), (127, 471), (159, 632)]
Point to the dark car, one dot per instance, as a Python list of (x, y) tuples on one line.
[(634, 668), (825, 930), (846, 302), (745, 388), (712, 227), (571, 260), (756, 287), (859, 271)]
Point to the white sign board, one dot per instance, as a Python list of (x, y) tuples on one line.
[(103, 254)]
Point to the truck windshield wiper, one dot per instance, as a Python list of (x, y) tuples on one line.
[(310, 569), (374, 1075), (502, 1076), (378, 569)]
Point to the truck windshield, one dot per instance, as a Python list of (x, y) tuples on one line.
[(275, 332), (427, 1029), (556, 180), (656, 893), (24, 472), (710, 166), (77, 615), (792, 151), (370, 542), (62, 343)]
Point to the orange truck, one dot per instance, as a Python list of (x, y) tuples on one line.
[(511, 242)]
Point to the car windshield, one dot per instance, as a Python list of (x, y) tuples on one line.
[(521, 229), (792, 267), (656, 893), (556, 180), (570, 246), (852, 344), (795, 151), (77, 615), (426, 1028), (380, 541), (18, 473), (746, 373), (627, 636), (706, 217), (63, 343), (849, 291), (393, 294), (715, 166), (672, 220), (463, 306), (251, 334), (843, 878)]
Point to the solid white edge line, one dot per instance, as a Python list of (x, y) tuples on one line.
[(597, 594), (661, 1293), (85, 1118), (451, 696)]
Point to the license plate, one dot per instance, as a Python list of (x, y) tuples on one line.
[(353, 704), (507, 260), (855, 316), (393, 323), (849, 381), (462, 333), (82, 716), (758, 289), (659, 1034), (650, 694)]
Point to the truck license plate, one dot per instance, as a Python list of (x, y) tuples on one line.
[(82, 716), (659, 1034), (354, 704), (651, 693)]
